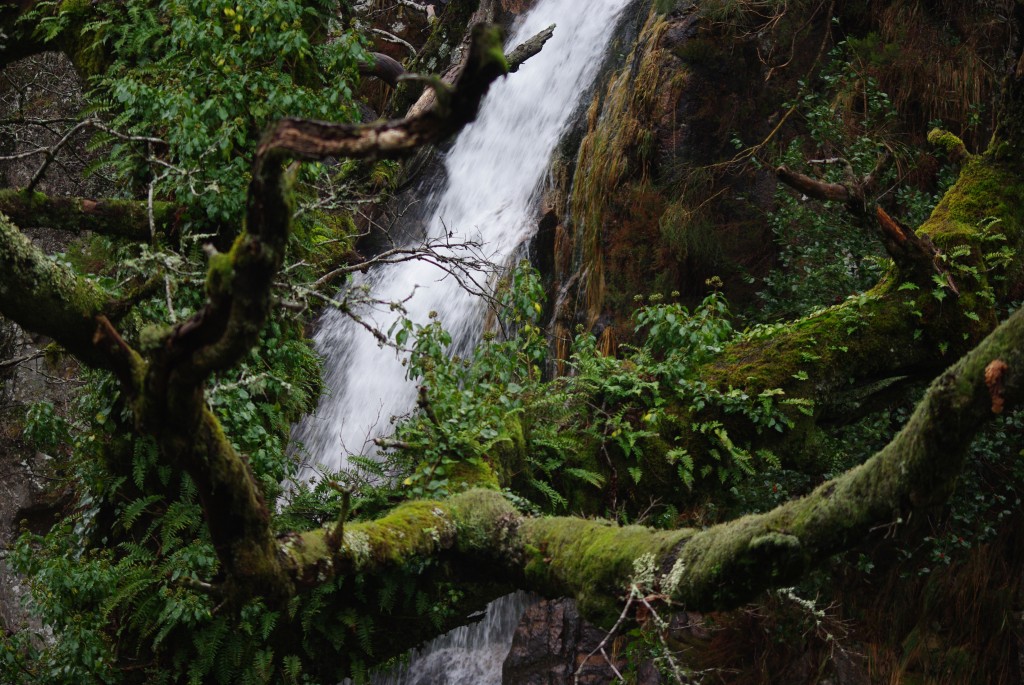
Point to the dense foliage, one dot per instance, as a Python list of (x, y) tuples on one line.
[(127, 581)]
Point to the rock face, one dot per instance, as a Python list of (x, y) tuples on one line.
[(26, 495), (553, 645), (652, 203), (44, 86)]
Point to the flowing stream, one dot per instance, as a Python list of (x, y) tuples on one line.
[(470, 655), (492, 179)]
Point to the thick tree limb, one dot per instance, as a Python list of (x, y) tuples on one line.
[(385, 68), (239, 286), (726, 565), (720, 567), (121, 218), (44, 296)]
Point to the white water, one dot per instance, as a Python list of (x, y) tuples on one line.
[(470, 655), (494, 173)]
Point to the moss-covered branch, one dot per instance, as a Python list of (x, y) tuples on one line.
[(238, 286), (720, 567), (897, 329), (166, 389), (121, 218), (725, 565), (455, 107), (44, 296)]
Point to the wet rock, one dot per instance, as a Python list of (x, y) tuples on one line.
[(554, 645)]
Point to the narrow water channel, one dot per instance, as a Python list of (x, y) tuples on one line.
[(491, 181)]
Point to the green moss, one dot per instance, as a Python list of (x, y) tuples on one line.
[(84, 47), (324, 239), (486, 522), (592, 559), (491, 38), (221, 270), (46, 296), (152, 337), (410, 529), (509, 451), (384, 175), (473, 472), (951, 144), (987, 194)]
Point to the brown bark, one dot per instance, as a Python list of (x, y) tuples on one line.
[(169, 403), (385, 68)]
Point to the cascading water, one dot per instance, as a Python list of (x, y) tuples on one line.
[(492, 178), (493, 174), (470, 655)]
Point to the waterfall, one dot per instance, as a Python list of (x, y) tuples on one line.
[(493, 176), (470, 655)]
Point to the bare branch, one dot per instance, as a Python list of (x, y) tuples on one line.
[(11, 363), (383, 67), (51, 151), (528, 49), (392, 38), (812, 187)]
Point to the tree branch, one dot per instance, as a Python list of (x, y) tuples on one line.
[(814, 188), (121, 218), (239, 287), (385, 68), (392, 38), (528, 49), (314, 140), (720, 567), (44, 296), (514, 60)]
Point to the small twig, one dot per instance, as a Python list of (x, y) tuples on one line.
[(392, 38), (201, 586), (413, 5), (11, 363), (392, 444), (633, 593), (51, 152)]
